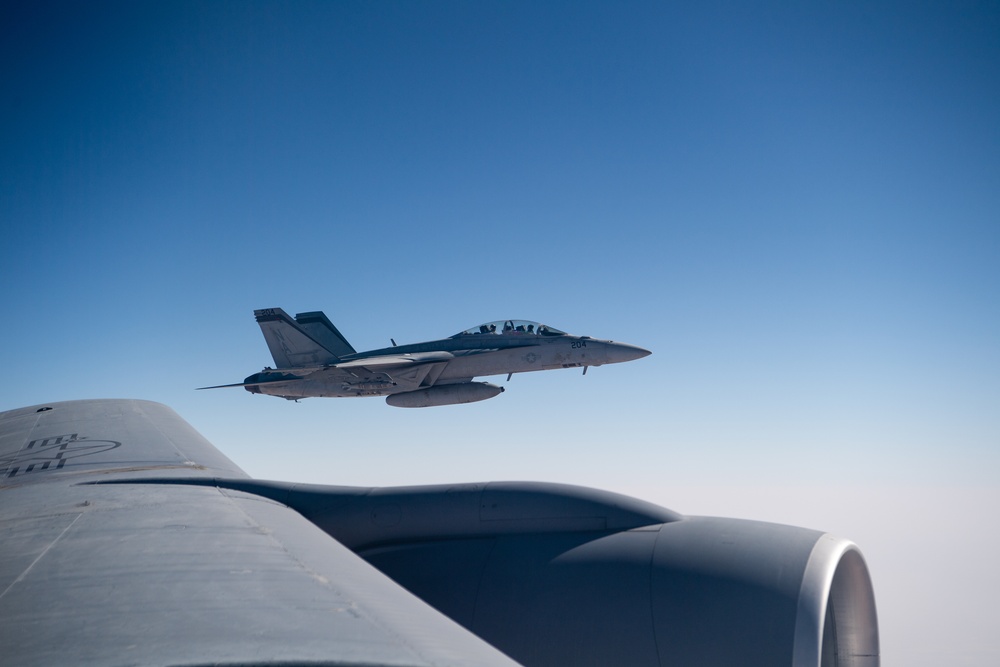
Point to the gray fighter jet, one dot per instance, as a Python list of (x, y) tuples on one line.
[(312, 358)]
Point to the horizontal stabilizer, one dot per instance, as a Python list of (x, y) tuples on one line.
[(238, 384), (222, 386), (262, 378)]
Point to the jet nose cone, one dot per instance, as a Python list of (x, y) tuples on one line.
[(619, 352)]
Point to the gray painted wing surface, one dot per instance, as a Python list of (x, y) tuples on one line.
[(100, 574)]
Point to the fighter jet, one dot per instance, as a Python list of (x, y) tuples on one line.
[(312, 358)]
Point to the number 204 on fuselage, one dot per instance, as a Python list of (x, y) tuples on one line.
[(312, 358)]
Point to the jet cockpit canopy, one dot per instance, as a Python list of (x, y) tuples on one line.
[(512, 328)]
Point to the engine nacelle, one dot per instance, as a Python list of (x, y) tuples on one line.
[(445, 394), (560, 575)]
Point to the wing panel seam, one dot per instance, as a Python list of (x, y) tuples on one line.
[(51, 544)]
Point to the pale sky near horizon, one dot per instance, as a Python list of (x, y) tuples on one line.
[(795, 207)]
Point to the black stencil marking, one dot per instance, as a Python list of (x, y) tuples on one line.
[(52, 453)]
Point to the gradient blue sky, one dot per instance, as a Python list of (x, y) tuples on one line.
[(796, 207)]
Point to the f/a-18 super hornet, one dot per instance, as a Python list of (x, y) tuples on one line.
[(312, 358)]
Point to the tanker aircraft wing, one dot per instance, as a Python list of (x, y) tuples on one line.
[(118, 547), (312, 358), (127, 539)]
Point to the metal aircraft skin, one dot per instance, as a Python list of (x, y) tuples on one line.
[(126, 538), (312, 358)]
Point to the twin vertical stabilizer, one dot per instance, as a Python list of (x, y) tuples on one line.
[(308, 340)]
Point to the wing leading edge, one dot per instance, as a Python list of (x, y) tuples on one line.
[(175, 573)]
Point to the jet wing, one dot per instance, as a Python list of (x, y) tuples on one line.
[(379, 362), (396, 360), (96, 573), (371, 364)]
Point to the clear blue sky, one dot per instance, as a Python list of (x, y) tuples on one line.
[(797, 208)]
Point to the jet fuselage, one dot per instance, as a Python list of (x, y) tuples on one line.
[(442, 370)]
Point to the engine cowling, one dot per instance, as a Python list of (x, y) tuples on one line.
[(560, 575)]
